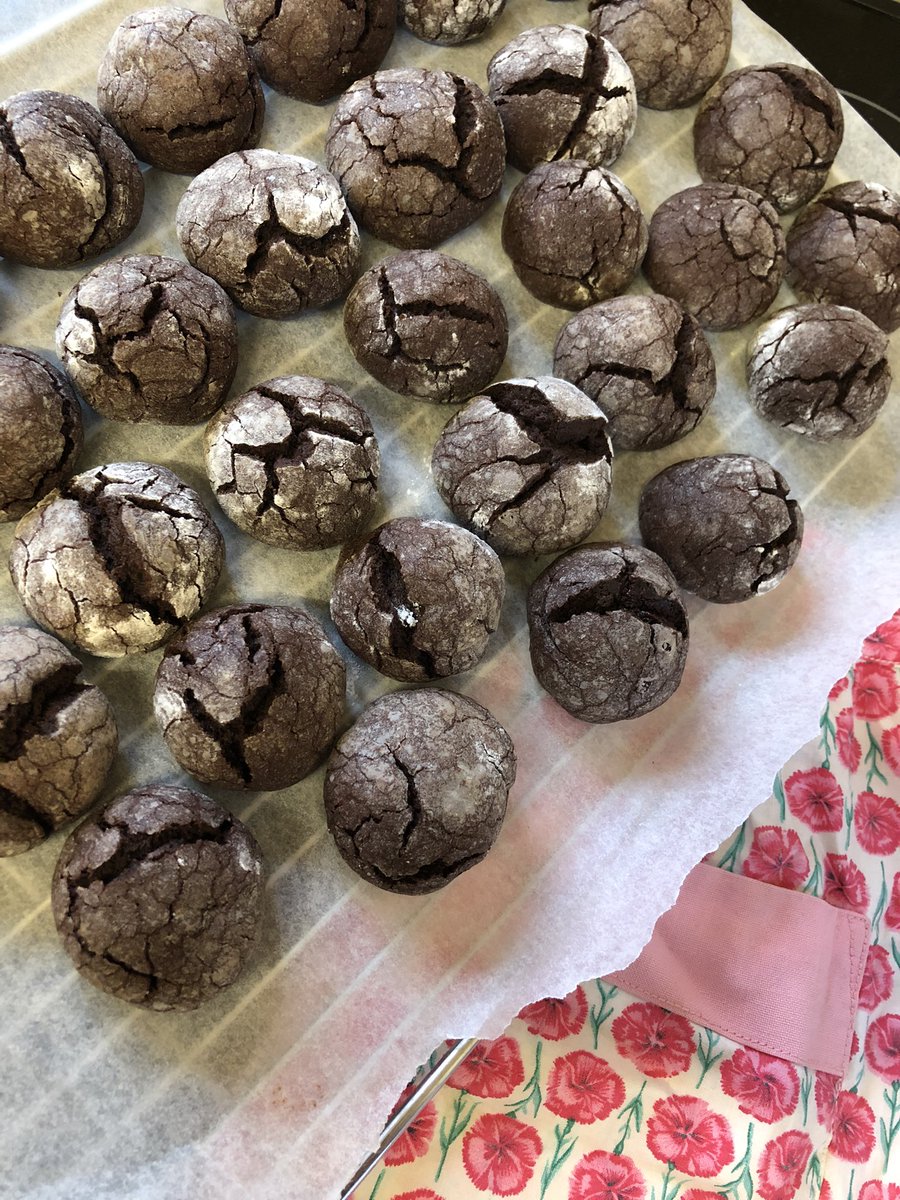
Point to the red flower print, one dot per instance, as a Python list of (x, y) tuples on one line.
[(815, 798), (777, 856), (876, 820), (890, 745), (603, 1176), (499, 1154), (892, 912), (766, 1088), (876, 1190), (874, 690), (838, 687), (883, 1047), (685, 1131), (700, 1194), (878, 979), (658, 1042), (781, 1165), (420, 1194), (556, 1019), (825, 1191), (884, 643), (493, 1070), (853, 1135), (415, 1139), (582, 1087), (845, 884), (828, 1088), (848, 747)]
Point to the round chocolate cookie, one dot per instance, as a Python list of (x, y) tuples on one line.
[(157, 898), (645, 361), (844, 248), (562, 93), (526, 465), (427, 325), (148, 338), (416, 792), (420, 154), (718, 250), (117, 559), (250, 696), (294, 462), (272, 229), (313, 49), (724, 525), (69, 186), (58, 738), (449, 22), (608, 632), (675, 48), (40, 430), (820, 370), (575, 233), (775, 129), (180, 88), (418, 599)]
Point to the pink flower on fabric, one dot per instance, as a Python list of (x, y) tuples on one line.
[(582, 1087), (781, 1165), (838, 687), (700, 1194), (890, 745), (493, 1070), (556, 1019), (825, 1191), (658, 1042), (883, 1047), (499, 1154), (777, 856), (685, 1131), (815, 798), (876, 820), (765, 1087), (878, 979), (604, 1176), (845, 884), (415, 1139), (848, 747), (892, 912), (876, 1190), (853, 1135), (874, 690), (884, 643), (419, 1194), (828, 1088)]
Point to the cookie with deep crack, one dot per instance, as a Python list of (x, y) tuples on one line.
[(157, 898), (449, 22), (416, 791)]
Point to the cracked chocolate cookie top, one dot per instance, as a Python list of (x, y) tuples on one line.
[(180, 88), (313, 49), (294, 462), (724, 524), (718, 250), (608, 631), (844, 248), (272, 229), (418, 599), (157, 898), (420, 154), (775, 129), (645, 361), (69, 186), (562, 93), (820, 370), (117, 559), (415, 792), (250, 696), (675, 48), (427, 325), (58, 738), (148, 338), (449, 22), (40, 430), (575, 233), (526, 465)]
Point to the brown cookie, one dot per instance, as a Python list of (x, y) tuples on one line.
[(449, 22)]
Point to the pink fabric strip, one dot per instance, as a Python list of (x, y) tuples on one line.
[(773, 969)]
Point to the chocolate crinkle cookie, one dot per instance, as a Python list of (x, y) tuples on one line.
[(250, 696), (562, 93), (416, 792), (148, 338), (675, 48), (724, 524), (294, 462), (418, 599), (718, 250), (272, 229), (820, 370), (844, 248), (420, 154), (180, 88), (608, 632), (526, 465), (645, 361), (427, 325), (313, 49), (775, 129), (58, 738), (69, 186), (40, 430), (157, 898), (575, 233), (117, 559), (449, 22)]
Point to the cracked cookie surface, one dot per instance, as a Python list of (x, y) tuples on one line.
[(416, 791), (449, 22), (157, 898)]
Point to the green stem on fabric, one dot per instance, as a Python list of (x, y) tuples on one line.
[(378, 1183), (565, 1144), (895, 951), (666, 1194), (532, 1094), (850, 1188), (730, 856), (805, 1089), (632, 1111), (880, 907), (448, 1134), (828, 738), (598, 1016), (778, 793), (706, 1046), (873, 755), (814, 1175), (888, 1130), (812, 884), (741, 1177)]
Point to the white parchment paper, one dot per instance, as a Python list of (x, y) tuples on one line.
[(280, 1086)]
